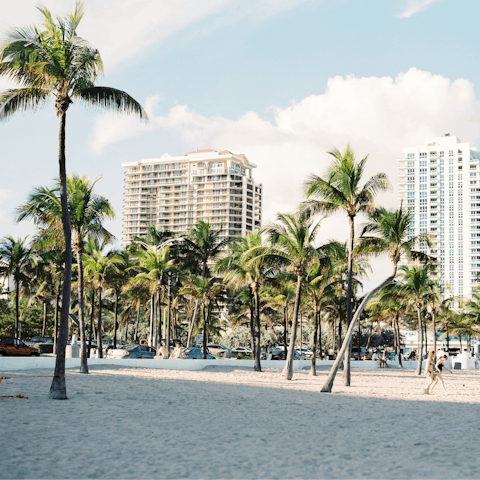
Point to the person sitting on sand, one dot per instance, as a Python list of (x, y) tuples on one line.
[(430, 371), (162, 352), (176, 352), (439, 366), (384, 359)]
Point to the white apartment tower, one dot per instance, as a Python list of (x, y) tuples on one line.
[(440, 182), (174, 192)]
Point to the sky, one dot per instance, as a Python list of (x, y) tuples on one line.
[(282, 81)]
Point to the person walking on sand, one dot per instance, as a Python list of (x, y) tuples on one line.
[(430, 371), (439, 366)]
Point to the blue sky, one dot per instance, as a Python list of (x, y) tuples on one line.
[(279, 80)]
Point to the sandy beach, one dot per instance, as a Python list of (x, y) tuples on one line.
[(225, 422)]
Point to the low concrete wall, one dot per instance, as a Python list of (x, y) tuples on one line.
[(8, 364)]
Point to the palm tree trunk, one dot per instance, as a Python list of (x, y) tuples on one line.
[(55, 326), (257, 365), (44, 323), (92, 314), (327, 387), (135, 334), (252, 324), (348, 353), (399, 341), (81, 314), (58, 389), (320, 346), (152, 313), (192, 323), (99, 325), (205, 340), (313, 367), (17, 307), (434, 332), (285, 320), (115, 322), (418, 371), (288, 370), (425, 335)]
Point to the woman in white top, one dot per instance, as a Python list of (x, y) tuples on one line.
[(176, 352)]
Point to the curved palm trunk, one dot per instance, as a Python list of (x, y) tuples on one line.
[(319, 342), (285, 321), (192, 323), (252, 322), (288, 370), (257, 365), (327, 387), (348, 352), (99, 325), (313, 368), (135, 334), (58, 389), (418, 371), (81, 315)]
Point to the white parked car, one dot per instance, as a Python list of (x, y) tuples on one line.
[(242, 351)]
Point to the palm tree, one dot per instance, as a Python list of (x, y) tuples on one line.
[(88, 211), (17, 255), (206, 291), (99, 267), (292, 247), (199, 248), (241, 270), (343, 191), (55, 61), (416, 285)]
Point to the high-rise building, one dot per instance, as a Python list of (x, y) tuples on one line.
[(174, 192), (440, 182)]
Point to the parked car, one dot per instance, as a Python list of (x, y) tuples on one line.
[(241, 352), (220, 350), (12, 347), (279, 354), (194, 353), (132, 351), (40, 339)]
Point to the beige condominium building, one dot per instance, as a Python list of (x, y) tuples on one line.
[(174, 192)]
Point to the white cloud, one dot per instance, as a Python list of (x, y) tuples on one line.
[(378, 116), (125, 29), (415, 6)]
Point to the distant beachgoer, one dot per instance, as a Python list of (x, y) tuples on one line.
[(74, 338), (384, 359), (439, 366), (162, 352), (430, 371), (176, 352)]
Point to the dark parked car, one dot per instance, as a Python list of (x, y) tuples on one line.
[(131, 351), (40, 339), (278, 354), (12, 347), (194, 353)]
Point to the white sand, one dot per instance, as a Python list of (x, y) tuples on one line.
[(231, 423)]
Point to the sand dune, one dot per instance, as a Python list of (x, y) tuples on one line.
[(234, 423)]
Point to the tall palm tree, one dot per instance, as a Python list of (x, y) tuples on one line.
[(342, 190), (292, 246), (88, 212), (17, 255), (200, 247), (53, 61), (206, 291), (416, 284), (98, 268)]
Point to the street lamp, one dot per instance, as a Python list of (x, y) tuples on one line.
[(169, 283)]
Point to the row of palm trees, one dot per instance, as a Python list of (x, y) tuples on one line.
[(256, 270), (261, 275)]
